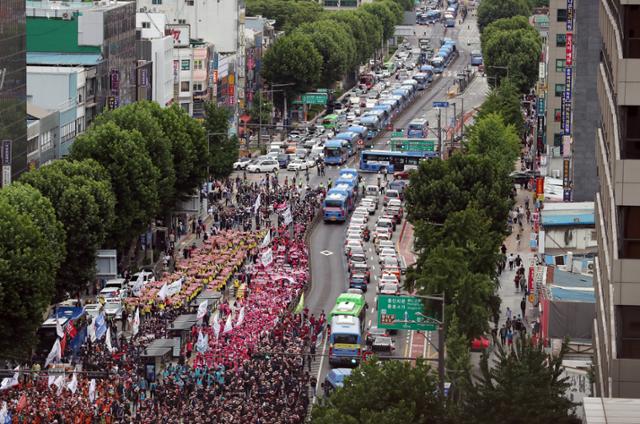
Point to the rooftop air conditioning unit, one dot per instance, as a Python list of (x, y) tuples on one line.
[(66, 16), (590, 267)]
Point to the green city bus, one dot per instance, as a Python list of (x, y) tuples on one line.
[(350, 304), (330, 121)]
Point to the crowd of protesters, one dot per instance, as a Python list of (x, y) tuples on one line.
[(255, 372)]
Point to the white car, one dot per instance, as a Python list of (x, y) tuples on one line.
[(351, 244), (241, 163), (387, 252), (351, 116), (384, 244), (387, 279), (369, 206), (386, 73), (298, 165), (264, 165), (359, 221), (389, 289)]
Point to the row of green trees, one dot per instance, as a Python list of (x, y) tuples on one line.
[(129, 168), (321, 47)]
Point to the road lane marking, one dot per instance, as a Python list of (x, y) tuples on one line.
[(326, 252), (324, 348), (370, 321)]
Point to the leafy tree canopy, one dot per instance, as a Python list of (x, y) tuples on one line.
[(29, 260), (138, 116), (389, 392), (356, 26), (81, 194), (491, 10), (491, 138), (294, 59), (134, 178), (512, 53)]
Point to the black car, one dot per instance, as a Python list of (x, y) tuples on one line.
[(523, 177)]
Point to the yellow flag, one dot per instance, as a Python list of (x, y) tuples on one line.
[(300, 306)]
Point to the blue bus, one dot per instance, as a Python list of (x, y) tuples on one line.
[(418, 128), (363, 131), (335, 152), (352, 139), (372, 123), (348, 173), (375, 160), (423, 80), (345, 341), (438, 65), (428, 70), (335, 206)]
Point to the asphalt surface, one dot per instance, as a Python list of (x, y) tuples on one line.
[(328, 262)]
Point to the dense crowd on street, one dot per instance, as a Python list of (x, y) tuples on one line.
[(251, 372)]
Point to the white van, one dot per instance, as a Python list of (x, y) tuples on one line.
[(372, 190), (317, 151)]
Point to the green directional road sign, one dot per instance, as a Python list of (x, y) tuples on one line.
[(406, 313), (315, 98), (397, 134), (413, 145)]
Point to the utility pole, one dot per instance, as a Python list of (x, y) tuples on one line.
[(461, 117), (440, 132), (455, 123)]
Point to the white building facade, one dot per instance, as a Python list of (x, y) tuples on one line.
[(156, 47)]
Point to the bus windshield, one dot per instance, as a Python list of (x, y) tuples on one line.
[(333, 203), (344, 338), (332, 151), (418, 128)]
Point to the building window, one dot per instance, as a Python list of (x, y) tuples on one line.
[(559, 90), (185, 107), (146, 25), (557, 139), (562, 15), (197, 86), (630, 326), (560, 63), (80, 125), (185, 64), (182, 21), (184, 86), (561, 40), (557, 115), (189, 2), (32, 145), (67, 132), (197, 64), (156, 1), (46, 141)]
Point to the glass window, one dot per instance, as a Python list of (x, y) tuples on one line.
[(557, 139), (184, 86), (197, 86), (630, 326), (185, 64), (560, 65), (197, 63), (32, 145), (561, 40), (46, 141), (562, 15), (557, 115), (156, 1), (559, 90)]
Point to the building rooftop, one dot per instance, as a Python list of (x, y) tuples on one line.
[(568, 214), (36, 112), (571, 287), (611, 410), (69, 5), (63, 59)]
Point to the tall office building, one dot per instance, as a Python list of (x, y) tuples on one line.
[(13, 94), (617, 267)]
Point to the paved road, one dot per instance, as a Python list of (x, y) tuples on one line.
[(328, 264)]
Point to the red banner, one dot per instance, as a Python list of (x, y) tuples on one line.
[(539, 185)]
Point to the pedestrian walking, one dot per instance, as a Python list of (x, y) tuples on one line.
[(511, 259), (503, 334), (523, 305), (508, 313)]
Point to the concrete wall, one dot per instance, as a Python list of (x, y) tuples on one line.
[(587, 43)]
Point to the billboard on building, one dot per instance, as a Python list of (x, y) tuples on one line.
[(180, 33)]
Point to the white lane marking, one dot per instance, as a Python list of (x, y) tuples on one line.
[(410, 344), (370, 320), (324, 348)]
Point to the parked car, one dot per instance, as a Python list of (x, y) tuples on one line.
[(241, 163), (264, 165), (298, 165)]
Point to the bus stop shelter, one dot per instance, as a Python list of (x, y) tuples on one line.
[(156, 355)]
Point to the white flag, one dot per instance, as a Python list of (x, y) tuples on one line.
[(135, 328), (139, 283), (73, 384), (59, 330), (91, 331), (107, 341), (55, 354), (202, 309), (50, 380), (202, 345), (10, 382), (59, 382), (267, 257), (256, 205), (174, 288), (3, 413), (267, 239), (227, 326), (216, 325), (92, 390), (286, 215), (162, 294), (240, 317)]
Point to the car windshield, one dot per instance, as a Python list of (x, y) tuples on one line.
[(358, 258)]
